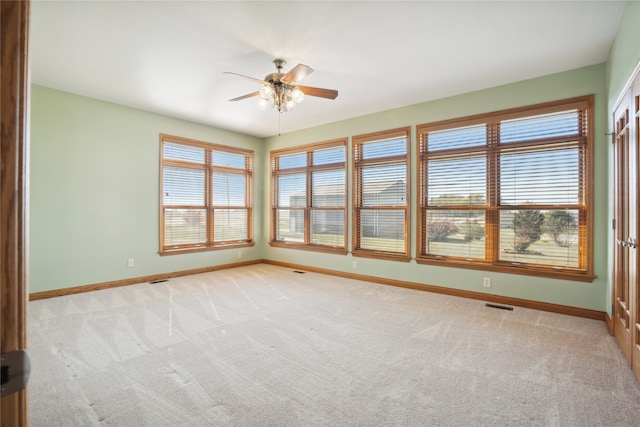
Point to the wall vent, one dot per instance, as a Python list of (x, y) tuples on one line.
[(501, 307)]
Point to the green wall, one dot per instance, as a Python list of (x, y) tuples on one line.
[(625, 52), (94, 191), (589, 80)]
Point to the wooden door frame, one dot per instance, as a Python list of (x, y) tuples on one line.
[(635, 74), (634, 138), (623, 176), (628, 97), (14, 107)]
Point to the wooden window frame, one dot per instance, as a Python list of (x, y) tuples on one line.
[(308, 170), (208, 168), (492, 149), (358, 163)]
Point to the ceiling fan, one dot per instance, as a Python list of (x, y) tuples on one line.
[(282, 90)]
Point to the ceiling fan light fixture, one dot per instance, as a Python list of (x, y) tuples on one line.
[(266, 92), (297, 95), (291, 105), (282, 97)]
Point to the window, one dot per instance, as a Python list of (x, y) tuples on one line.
[(509, 191), (308, 197), (205, 196), (380, 194)]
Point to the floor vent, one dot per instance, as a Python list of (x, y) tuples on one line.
[(158, 281), (501, 307), (298, 271)]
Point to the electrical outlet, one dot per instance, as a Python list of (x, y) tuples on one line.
[(130, 262), (354, 264), (486, 282), (239, 254)]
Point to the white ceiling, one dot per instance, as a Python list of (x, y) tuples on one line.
[(169, 56)]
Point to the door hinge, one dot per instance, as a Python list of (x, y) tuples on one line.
[(14, 371), (613, 224)]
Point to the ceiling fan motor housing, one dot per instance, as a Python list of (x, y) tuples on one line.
[(274, 78)]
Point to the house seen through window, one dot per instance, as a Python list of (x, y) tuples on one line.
[(380, 189), (308, 190)]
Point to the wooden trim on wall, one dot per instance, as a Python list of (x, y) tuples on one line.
[(492, 150), (14, 194), (208, 206), (135, 280), (609, 321), (535, 305), (358, 163), (308, 170)]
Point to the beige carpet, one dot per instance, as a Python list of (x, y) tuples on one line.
[(265, 346)]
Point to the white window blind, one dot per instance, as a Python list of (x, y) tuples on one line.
[(509, 189), (309, 196), (206, 195), (380, 202)]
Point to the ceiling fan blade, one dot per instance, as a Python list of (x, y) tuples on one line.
[(297, 73), (246, 77), (249, 95), (317, 91)]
